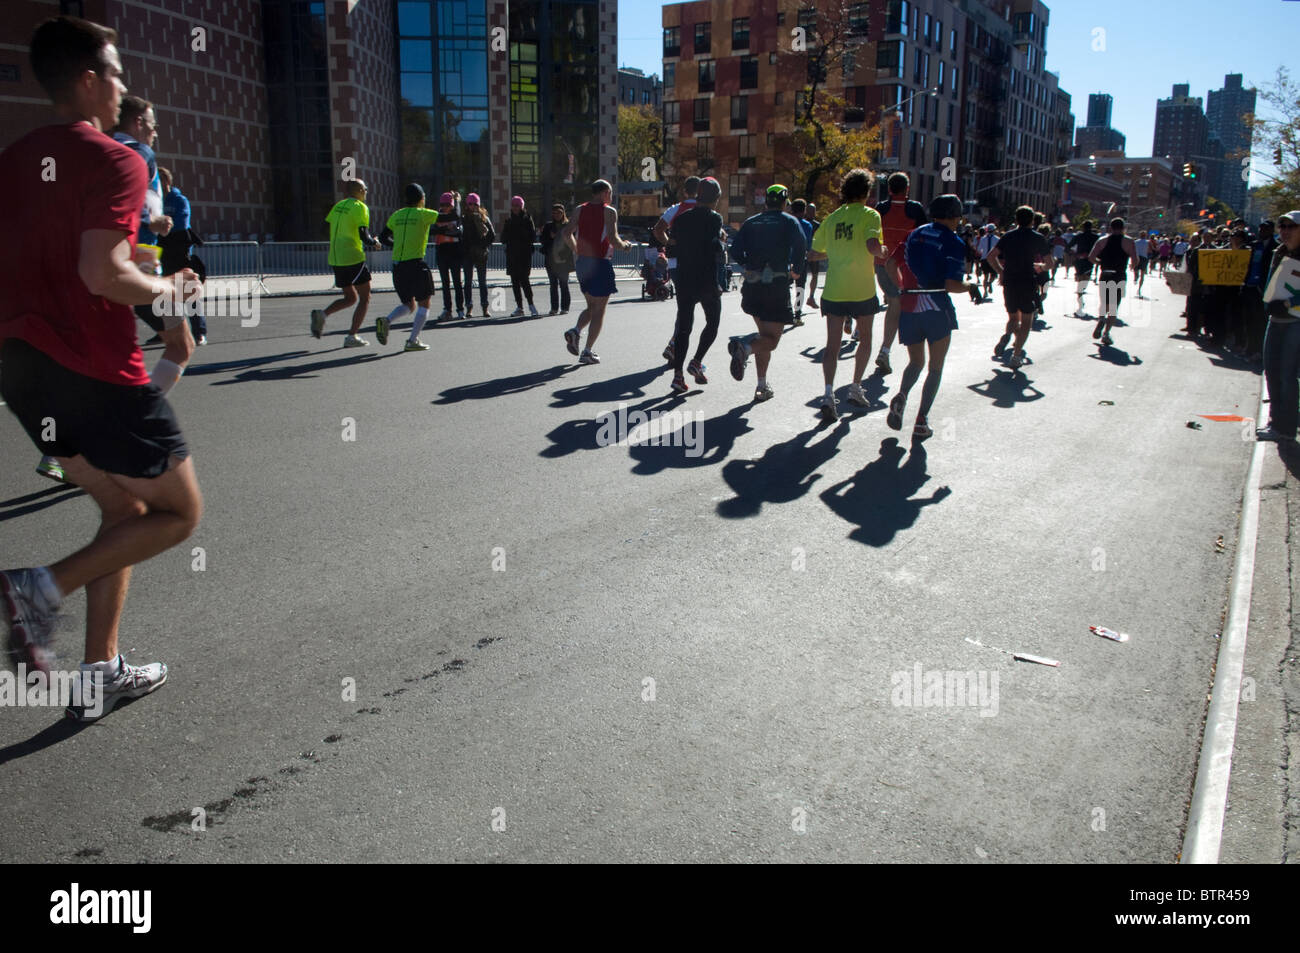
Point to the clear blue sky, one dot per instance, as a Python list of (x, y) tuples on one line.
[(1149, 46)]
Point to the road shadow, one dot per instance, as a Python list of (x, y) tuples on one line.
[(1007, 389), (1289, 451), (608, 391), (847, 347), (492, 321), (47, 737), (302, 371), (22, 505), (879, 498), (574, 435), (221, 367), (501, 386), (1040, 325), (1113, 355), (712, 442), (784, 473)]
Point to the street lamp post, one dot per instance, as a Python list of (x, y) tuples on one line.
[(897, 110)]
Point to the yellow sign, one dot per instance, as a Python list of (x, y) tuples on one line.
[(1222, 266)]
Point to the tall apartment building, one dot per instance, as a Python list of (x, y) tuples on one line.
[(1224, 110), (265, 109), (959, 80), (1099, 108), (1097, 135), (1182, 134)]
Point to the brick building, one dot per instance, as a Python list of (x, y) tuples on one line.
[(265, 106)]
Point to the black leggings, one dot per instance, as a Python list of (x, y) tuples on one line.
[(469, 267), (449, 267), (710, 300), (519, 282)]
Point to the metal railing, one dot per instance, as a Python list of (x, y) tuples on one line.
[(310, 259)]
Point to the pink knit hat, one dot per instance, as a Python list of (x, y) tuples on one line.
[(517, 202), (472, 199)]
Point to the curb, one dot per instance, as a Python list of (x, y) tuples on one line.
[(1204, 836)]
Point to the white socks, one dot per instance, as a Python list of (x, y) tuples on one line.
[(49, 589), (400, 311), (421, 315)]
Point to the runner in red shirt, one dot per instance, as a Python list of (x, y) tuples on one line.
[(898, 216), (73, 373)]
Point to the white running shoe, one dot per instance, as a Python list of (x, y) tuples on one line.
[(129, 681), (857, 397), (353, 341)]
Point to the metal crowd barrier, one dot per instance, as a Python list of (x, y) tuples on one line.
[(310, 259)]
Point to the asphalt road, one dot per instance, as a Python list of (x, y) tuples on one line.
[(502, 589)]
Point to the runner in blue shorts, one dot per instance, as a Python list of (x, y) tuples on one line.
[(593, 233), (937, 258)]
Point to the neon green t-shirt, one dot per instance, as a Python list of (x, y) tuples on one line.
[(345, 243), (410, 228), (850, 268)]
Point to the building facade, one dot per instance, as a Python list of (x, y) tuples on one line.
[(1150, 189), (266, 107), (635, 88), (1224, 109), (958, 87), (1182, 135)]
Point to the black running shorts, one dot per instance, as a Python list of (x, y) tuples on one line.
[(1020, 296), (767, 302), (412, 279), (345, 275), (130, 431)]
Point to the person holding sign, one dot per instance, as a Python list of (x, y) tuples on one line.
[(1282, 339)]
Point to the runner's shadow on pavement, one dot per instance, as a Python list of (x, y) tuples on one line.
[(480, 322), (47, 737), (1007, 389), (502, 386), (574, 435), (847, 347), (22, 505), (784, 473), (699, 444), (609, 391), (221, 367), (1041, 325), (302, 371), (879, 497), (1113, 355)]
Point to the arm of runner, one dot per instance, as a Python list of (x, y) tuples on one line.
[(106, 266), (1096, 249), (877, 249), (661, 232), (995, 259), (366, 238), (611, 224)]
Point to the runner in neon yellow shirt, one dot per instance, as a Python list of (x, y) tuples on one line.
[(349, 238), (849, 241), (407, 231)]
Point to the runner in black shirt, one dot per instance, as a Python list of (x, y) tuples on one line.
[(1113, 253), (1017, 257), (1081, 245), (696, 236)]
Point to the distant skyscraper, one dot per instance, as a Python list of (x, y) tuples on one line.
[(1182, 132), (1099, 109), (1224, 109)]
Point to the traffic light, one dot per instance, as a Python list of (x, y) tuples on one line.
[(1189, 170), (1067, 178), (1160, 214)]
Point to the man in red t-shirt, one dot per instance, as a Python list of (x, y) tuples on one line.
[(73, 373)]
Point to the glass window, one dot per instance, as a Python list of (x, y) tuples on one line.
[(848, 65), (740, 33), (925, 33), (416, 55), (672, 113), (896, 19), (952, 45), (413, 19), (670, 75), (703, 37), (780, 19), (417, 89), (672, 41), (708, 74), (748, 152), (739, 112), (701, 115), (749, 72), (939, 84), (704, 148), (859, 19), (808, 20)]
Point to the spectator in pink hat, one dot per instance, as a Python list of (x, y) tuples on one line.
[(519, 236), (477, 242)]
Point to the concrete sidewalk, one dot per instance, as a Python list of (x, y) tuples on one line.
[(1262, 824)]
